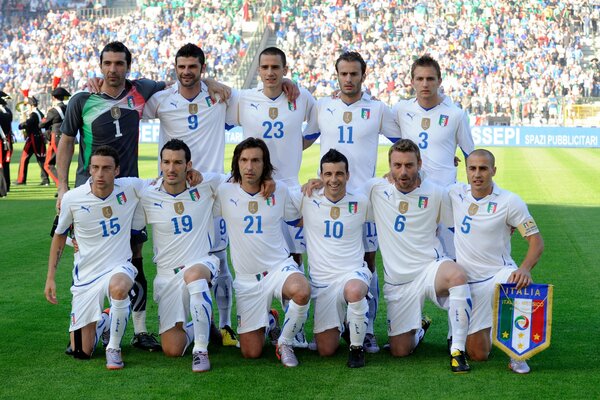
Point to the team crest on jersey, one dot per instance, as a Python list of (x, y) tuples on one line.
[(403, 207), (347, 117), (130, 102), (115, 112), (492, 207), (353, 207), (193, 108), (335, 212), (253, 207), (473, 208), (179, 208), (273, 112), (209, 102), (271, 200), (121, 198), (292, 105), (365, 113), (107, 212), (423, 201), (194, 194), (425, 123), (444, 120)]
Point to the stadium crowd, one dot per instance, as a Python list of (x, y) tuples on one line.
[(521, 60)]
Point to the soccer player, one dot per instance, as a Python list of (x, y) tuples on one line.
[(352, 124), (181, 218), (187, 112), (261, 260), (111, 118), (485, 217), (438, 126), (407, 213), (101, 212), (267, 113), (339, 276)]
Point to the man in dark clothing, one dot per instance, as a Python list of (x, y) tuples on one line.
[(34, 143), (54, 118), (5, 143)]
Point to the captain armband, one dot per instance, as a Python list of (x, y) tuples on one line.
[(528, 228)]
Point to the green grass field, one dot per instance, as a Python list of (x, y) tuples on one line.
[(562, 188)]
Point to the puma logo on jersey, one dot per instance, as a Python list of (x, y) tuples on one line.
[(410, 115), (85, 208), (173, 104), (387, 194), (159, 204), (318, 203), (255, 106), (234, 201), (331, 110)]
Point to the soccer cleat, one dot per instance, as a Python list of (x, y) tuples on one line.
[(519, 367), (425, 324), (285, 353), (274, 329), (214, 337), (300, 340), (200, 361), (229, 337), (370, 344), (113, 359), (146, 341), (356, 357), (458, 362)]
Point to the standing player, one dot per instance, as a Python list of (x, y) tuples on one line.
[(181, 218), (340, 278), (54, 118), (352, 124), (267, 113), (438, 126), (111, 118), (407, 213), (34, 143), (5, 138), (187, 112), (262, 263), (101, 212), (485, 217)]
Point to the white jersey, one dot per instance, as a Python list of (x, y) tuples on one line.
[(200, 123), (406, 227), (483, 229), (437, 132), (181, 224), (279, 123), (102, 227), (354, 131), (334, 234), (254, 226)]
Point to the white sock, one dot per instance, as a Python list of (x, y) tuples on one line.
[(119, 314), (295, 316), (373, 301), (357, 321), (200, 308), (223, 290), (139, 321), (102, 325), (459, 314)]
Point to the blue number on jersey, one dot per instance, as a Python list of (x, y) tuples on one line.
[(466, 226), (112, 228), (371, 229), (252, 221), (336, 229), (299, 235), (423, 143), (343, 139), (193, 121), (222, 226), (186, 224), (399, 225), (276, 128)]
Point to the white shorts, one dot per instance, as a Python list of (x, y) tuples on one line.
[(172, 296), (370, 237), (219, 238), (88, 300), (482, 296), (294, 238), (328, 299), (254, 295), (405, 301)]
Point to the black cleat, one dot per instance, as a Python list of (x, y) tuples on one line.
[(356, 357), (425, 324), (69, 350), (215, 337), (146, 341), (458, 362)]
